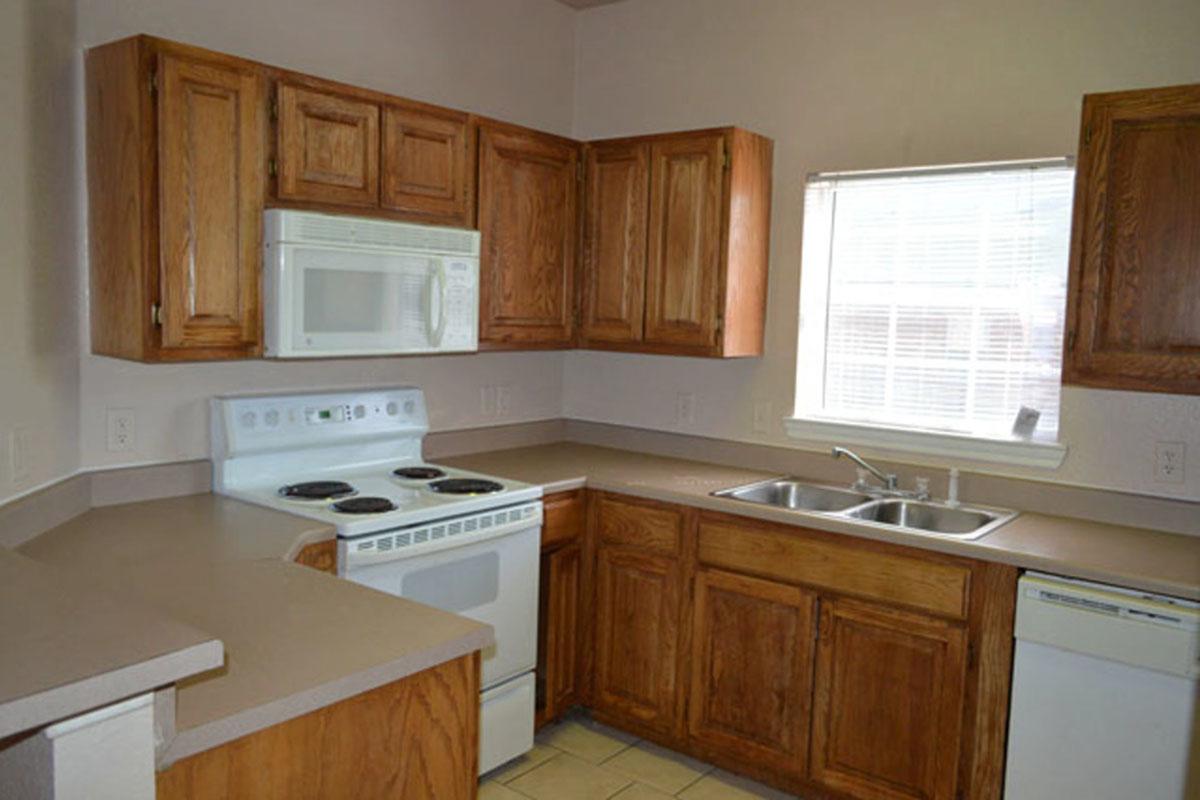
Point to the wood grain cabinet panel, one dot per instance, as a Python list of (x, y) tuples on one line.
[(426, 169), (415, 738), (319, 555), (328, 147), (637, 630), (558, 631), (683, 268), (176, 143), (752, 666), (614, 242), (1135, 263), (527, 219), (888, 702)]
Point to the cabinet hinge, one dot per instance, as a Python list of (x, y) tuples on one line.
[(1087, 135), (1071, 341), (726, 158), (156, 314), (970, 656), (272, 168), (152, 83), (274, 108), (579, 170)]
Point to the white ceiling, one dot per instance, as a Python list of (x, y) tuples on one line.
[(587, 3)]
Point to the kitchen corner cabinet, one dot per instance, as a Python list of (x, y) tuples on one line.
[(560, 627), (176, 166), (528, 187), (677, 232), (1135, 252)]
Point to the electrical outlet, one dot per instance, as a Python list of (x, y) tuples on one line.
[(121, 430), (503, 400), (762, 416), (1169, 461), (685, 408), (487, 401), (20, 453)]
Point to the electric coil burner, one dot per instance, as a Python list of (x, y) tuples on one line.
[(364, 505), (465, 486), (317, 490), (419, 473)]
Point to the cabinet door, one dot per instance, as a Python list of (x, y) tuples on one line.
[(1135, 277), (210, 184), (684, 257), (425, 169), (558, 629), (614, 260), (752, 657), (328, 148), (527, 201), (637, 632), (888, 702)]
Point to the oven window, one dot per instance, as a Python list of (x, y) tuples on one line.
[(457, 586)]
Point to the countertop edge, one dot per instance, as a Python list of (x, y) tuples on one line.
[(213, 734), (44, 707)]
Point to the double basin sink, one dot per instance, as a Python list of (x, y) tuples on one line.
[(906, 514)]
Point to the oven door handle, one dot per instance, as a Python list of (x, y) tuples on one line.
[(435, 292)]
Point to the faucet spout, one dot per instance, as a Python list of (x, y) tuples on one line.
[(886, 478)]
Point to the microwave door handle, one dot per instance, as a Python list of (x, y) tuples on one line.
[(436, 289)]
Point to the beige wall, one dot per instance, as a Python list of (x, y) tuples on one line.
[(860, 84), (39, 383), (511, 59)]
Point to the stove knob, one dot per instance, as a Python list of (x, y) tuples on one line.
[(248, 419), (410, 407), (271, 418), (392, 409)]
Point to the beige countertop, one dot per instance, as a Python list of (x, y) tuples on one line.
[(69, 648), (296, 639), (1149, 560)]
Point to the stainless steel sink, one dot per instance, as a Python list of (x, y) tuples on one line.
[(933, 517), (902, 513), (797, 495)]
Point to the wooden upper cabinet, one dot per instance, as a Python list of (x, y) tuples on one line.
[(887, 717), (176, 150), (614, 242), (327, 147), (752, 667), (426, 165), (677, 237), (684, 264), (527, 217), (1135, 254)]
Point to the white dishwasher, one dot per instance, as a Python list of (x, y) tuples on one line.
[(1104, 694)]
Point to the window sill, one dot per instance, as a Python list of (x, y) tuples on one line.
[(1044, 455)]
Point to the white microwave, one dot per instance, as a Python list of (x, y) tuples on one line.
[(349, 286)]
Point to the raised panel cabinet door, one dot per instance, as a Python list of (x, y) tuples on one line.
[(752, 664), (684, 255), (328, 148), (614, 242), (888, 702), (527, 202), (637, 632), (558, 622), (1135, 268), (210, 185), (425, 170)]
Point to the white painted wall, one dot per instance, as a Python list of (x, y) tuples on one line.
[(39, 384), (511, 59), (860, 84)]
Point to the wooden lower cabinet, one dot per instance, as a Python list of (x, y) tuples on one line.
[(888, 703), (319, 555), (637, 608), (558, 631), (413, 739), (752, 664)]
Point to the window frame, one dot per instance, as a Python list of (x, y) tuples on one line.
[(813, 303)]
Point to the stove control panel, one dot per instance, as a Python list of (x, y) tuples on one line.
[(262, 423)]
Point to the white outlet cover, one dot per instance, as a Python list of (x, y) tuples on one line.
[(487, 401), (503, 400), (685, 408), (762, 416), (1170, 462), (20, 452), (120, 430)]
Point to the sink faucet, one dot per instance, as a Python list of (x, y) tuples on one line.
[(888, 479)]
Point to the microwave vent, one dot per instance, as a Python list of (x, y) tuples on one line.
[(357, 231)]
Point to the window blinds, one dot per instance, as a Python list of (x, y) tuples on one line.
[(945, 295)]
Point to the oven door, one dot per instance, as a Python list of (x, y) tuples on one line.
[(494, 581), (345, 301)]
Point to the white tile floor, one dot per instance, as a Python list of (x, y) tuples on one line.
[(579, 759)]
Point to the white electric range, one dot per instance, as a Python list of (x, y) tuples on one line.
[(452, 539)]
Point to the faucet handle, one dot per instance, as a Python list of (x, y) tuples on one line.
[(922, 488)]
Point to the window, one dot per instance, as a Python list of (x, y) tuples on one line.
[(933, 302)]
